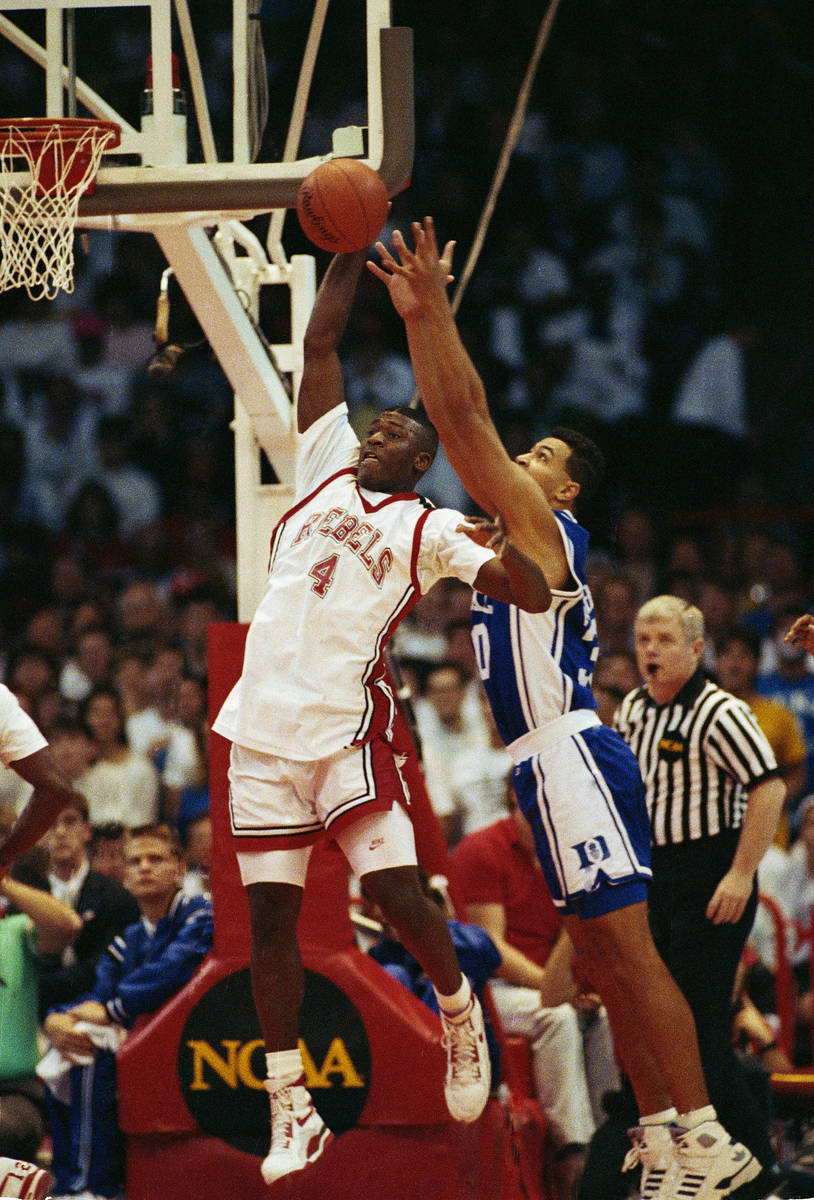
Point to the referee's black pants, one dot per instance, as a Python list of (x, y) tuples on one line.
[(702, 958)]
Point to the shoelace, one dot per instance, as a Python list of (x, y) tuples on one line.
[(639, 1153), (632, 1159), (283, 1114), (462, 1042), (282, 1118)]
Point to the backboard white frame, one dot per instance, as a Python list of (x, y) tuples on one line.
[(142, 196)]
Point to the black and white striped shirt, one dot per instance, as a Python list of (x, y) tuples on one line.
[(699, 755)]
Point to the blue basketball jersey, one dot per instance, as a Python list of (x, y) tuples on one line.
[(537, 666)]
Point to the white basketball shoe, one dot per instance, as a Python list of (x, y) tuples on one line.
[(469, 1074), (23, 1179), (652, 1148), (710, 1163), (298, 1133)]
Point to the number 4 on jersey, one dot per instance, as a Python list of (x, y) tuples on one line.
[(323, 573)]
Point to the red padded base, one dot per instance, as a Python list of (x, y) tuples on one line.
[(456, 1162)]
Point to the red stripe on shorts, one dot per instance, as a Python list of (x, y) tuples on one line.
[(388, 789)]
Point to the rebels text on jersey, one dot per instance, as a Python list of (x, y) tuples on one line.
[(346, 566)]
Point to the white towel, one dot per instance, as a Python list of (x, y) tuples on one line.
[(54, 1067)]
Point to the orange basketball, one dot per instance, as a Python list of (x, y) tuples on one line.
[(342, 205)]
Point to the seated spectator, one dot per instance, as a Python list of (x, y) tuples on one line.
[(92, 534), (194, 805), (196, 838), (738, 655), (121, 785), (72, 747), (33, 923), (477, 782), (140, 970), (793, 890), (89, 666), (447, 725), (142, 616), (45, 631), (791, 682), (196, 614), (31, 672), (709, 425), (135, 493), (718, 607), (636, 540), (156, 733), (130, 679), (17, 720), (104, 906), (615, 611), (60, 450), (193, 712), (615, 674), (106, 849), (535, 990), (755, 1045)]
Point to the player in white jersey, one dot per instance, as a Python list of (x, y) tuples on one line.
[(577, 783), (24, 748), (310, 718)]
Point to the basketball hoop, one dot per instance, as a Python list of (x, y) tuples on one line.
[(38, 212)]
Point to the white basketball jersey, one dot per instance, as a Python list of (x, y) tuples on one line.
[(346, 565), (19, 736)]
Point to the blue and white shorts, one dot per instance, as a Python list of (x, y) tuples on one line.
[(584, 798)]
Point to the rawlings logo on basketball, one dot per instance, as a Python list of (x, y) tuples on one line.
[(318, 228), (342, 205)]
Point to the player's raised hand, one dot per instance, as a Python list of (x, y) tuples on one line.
[(416, 279), (487, 531), (802, 632)]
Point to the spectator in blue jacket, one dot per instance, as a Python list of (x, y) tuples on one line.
[(141, 969)]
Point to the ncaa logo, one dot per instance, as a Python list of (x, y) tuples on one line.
[(221, 1064), (593, 851)]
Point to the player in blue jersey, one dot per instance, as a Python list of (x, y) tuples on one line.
[(577, 782)]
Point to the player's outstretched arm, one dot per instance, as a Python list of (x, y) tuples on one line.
[(455, 399), (52, 791), (322, 387), (511, 576)]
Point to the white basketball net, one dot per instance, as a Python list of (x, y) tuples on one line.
[(38, 217)]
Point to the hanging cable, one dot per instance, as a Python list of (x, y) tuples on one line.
[(511, 140), (297, 122)]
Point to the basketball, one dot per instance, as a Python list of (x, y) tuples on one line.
[(342, 205)]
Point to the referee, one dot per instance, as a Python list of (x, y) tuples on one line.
[(714, 798)]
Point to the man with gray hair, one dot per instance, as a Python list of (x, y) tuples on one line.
[(714, 799)]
